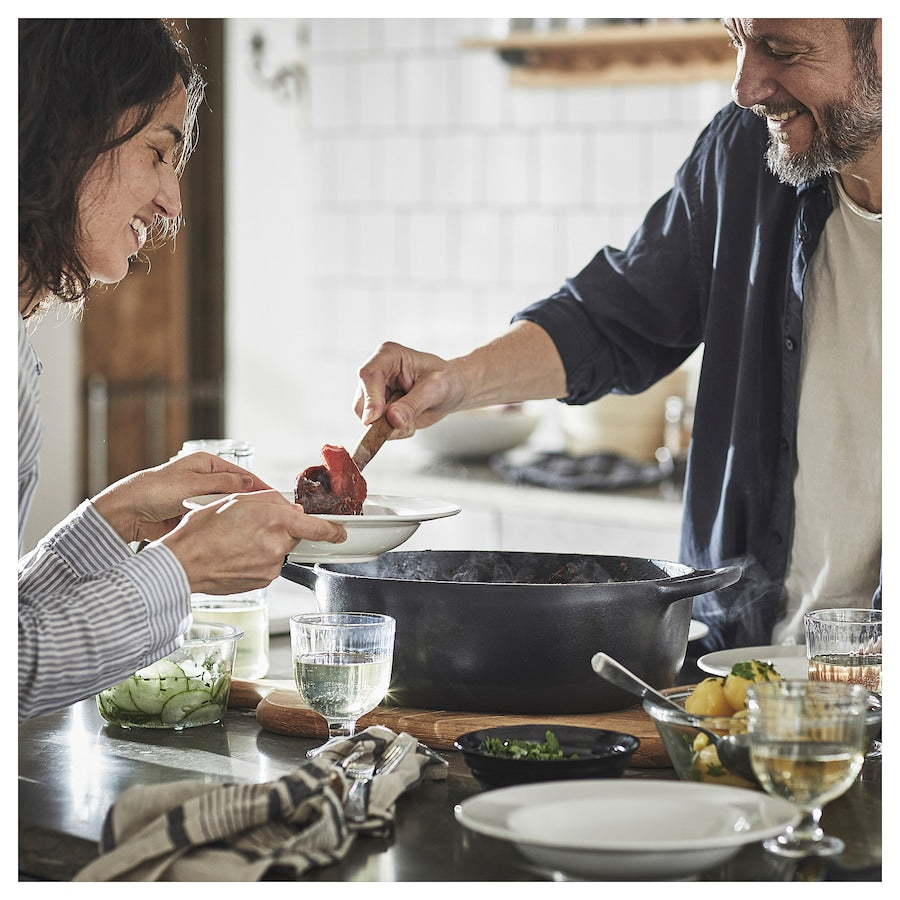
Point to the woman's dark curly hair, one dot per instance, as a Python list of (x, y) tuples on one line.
[(77, 78)]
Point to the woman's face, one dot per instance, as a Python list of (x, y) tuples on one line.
[(127, 188)]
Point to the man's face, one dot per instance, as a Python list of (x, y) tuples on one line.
[(823, 113)]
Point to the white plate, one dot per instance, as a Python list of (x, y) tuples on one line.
[(789, 661), (386, 522), (697, 630), (626, 828)]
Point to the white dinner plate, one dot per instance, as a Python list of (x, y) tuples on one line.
[(697, 630), (626, 828), (789, 661), (386, 522)]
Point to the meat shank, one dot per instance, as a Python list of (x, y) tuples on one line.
[(336, 487)]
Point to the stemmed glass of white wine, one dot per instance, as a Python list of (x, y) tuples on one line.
[(807, 745), (342, 665)]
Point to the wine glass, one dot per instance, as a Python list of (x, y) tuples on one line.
[(807, 745), (342, 666)]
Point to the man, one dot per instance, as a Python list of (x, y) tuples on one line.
[(767, 251)]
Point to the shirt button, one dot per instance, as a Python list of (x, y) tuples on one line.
[(789, 343)]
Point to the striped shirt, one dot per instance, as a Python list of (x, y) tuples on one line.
[(91, 611)]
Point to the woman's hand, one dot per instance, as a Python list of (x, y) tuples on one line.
[(148, 504), (239, 543), (234, 545)]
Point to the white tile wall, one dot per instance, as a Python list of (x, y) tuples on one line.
[(436, 199)]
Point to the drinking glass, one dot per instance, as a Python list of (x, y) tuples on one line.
[(250, 612), (342, 665), (807, 745), (844, 645)]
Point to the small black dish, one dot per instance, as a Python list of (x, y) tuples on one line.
[(600, 754)]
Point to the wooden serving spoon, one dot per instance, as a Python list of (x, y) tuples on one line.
[(375, 436)]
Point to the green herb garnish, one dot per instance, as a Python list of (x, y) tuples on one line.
[(755, 670), (550, 749)]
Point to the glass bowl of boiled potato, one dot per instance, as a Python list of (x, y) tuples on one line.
[(717, 705)]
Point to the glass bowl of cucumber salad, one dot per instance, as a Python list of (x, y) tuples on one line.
[(189, 687)]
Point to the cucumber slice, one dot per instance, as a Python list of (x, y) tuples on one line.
[(149, 697), (171, 677), (120, 695), (155, 684), (205, 715), (177, 707), (103, 706), (193, 670)]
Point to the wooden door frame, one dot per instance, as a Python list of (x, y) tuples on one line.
[(153, 346)]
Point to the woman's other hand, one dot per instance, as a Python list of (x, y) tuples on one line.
[(148, 504), (239, 543), (236, 544)]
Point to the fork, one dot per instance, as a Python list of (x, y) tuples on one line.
[(392, 758), (362, 773)]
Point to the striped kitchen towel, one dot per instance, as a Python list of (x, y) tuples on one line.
[(197, 831)]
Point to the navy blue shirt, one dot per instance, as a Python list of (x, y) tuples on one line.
[(720, 261)]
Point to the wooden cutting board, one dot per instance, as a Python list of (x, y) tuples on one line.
[(280, 710)]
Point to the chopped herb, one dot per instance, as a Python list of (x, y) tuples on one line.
[(550, 749), (755, 670)]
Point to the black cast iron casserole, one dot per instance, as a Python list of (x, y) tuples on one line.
[(513, 632)]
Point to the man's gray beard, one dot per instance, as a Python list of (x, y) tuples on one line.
[(853, 125)]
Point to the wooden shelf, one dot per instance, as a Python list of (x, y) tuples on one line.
[(616, 54)]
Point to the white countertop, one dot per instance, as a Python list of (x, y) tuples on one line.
[(475, 485)]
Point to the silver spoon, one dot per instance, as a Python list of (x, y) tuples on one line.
[(733, 749)]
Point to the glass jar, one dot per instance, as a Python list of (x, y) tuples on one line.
[(238, 452), (250, 613)]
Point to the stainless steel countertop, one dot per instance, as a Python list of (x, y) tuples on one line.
[(72, 766)]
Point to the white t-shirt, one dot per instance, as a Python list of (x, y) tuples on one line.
[(836, 548)]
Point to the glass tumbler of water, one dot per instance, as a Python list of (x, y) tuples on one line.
[(342, 665), (844, 645), (807, 746), (249, 612)]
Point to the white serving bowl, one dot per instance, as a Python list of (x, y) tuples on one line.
[(479, 433)]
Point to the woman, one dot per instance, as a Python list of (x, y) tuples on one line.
[(106, 125)]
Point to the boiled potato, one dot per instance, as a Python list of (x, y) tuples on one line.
[(726, 698), (708, 699), (741, 676), (706, 765)]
